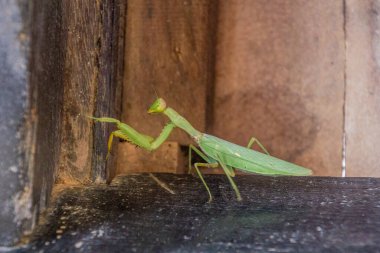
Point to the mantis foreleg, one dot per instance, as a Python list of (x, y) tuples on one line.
[(131, 135), (118, 134)]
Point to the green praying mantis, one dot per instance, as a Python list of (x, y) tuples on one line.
[(213, 150)]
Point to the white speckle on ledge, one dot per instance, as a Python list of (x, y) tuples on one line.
[(13, 169), (78, 244)]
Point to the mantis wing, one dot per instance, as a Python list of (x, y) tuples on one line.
[(247, 159)]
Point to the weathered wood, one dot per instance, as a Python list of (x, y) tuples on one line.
[(280, 78), (92, 86), (278, 214), (82, 50), (109, 87), (47, 70), (363, 90), (168, 158)]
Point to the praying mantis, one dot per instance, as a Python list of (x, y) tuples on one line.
[(213, 150)]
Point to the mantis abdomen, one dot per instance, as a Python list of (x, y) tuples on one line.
[(248, 160)]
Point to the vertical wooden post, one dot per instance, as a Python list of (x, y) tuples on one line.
[(92, 86), (109, 88), (170, 49), (363, 89)]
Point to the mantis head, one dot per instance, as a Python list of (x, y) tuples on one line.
[(158, 106)]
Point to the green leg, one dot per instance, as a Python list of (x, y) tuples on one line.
[(126, 132), (204, 157), (207, 165), (118, 134), (227, 171), (253, 140)]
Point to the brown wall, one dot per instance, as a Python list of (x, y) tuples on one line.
[(297, 74), (169, 49), (280, 78)]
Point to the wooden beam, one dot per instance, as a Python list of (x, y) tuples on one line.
[(93, 33)]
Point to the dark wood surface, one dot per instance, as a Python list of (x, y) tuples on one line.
[(278, 214)]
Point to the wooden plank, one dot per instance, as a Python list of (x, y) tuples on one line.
[(92, 86), (280, 78), (46, 79), (109, 86), (278, 214), (80, 79), (363, 90), (169, 47)]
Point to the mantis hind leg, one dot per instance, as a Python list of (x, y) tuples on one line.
[(253, 140), (227, 170)]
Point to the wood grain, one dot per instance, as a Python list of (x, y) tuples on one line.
[(80, 79), (46, 79), (170, 48), (109, 86), (363, 90), (280, 78), (92, 86)]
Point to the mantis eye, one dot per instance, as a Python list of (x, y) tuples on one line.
[(158, 106)]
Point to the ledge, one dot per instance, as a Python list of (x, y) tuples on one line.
[(278, 214)]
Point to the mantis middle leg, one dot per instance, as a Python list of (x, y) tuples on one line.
[(209, 164)]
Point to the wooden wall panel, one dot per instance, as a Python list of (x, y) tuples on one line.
[(280, 78), (169, 48), (363, 89)]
